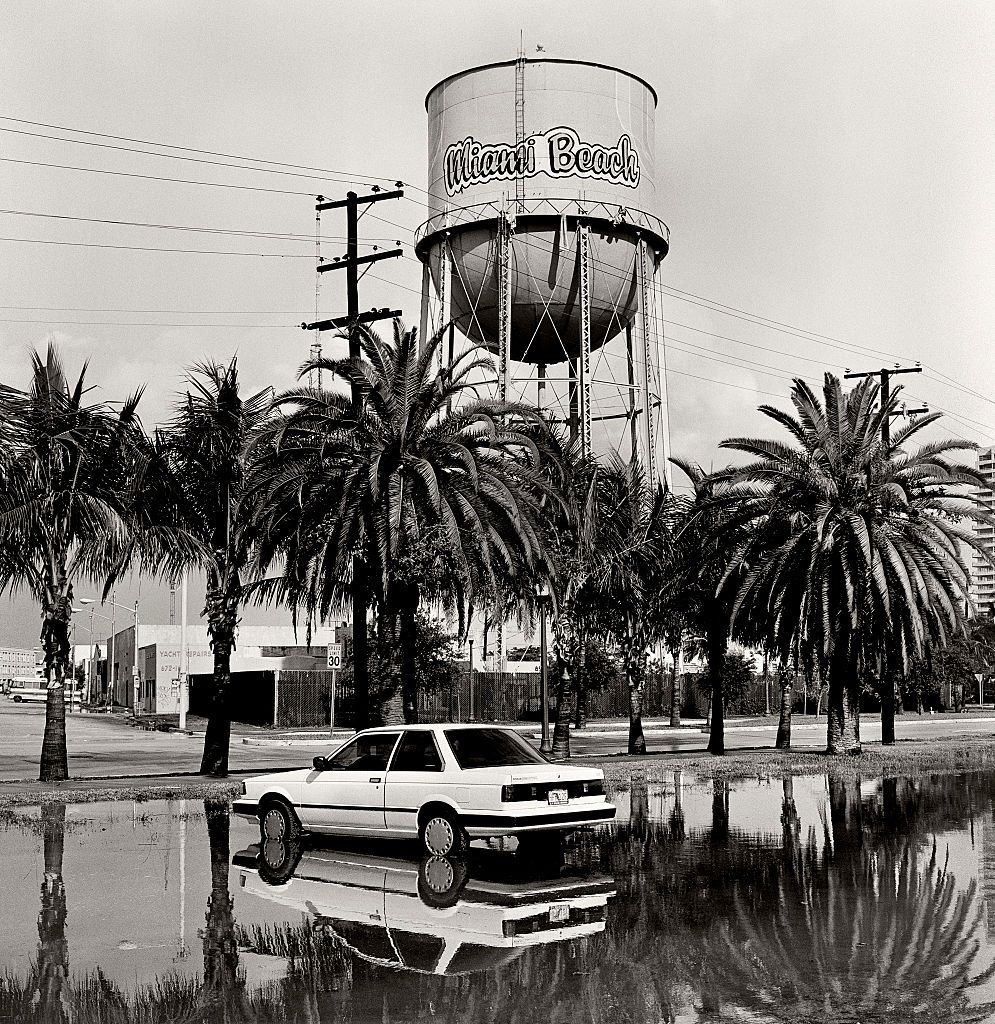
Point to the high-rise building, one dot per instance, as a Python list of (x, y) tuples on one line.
[(982, 571)]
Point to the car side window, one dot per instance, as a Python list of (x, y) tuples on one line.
[(365, 753), (417, 752)]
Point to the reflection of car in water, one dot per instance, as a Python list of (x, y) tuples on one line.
[(430, 916)]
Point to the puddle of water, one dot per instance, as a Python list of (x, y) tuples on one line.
[(810, 900)]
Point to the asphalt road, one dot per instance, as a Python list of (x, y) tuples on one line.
[(105, 746)]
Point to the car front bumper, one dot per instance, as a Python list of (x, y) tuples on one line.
[(245, 808)]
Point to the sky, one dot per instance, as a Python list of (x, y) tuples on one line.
[(824, 168)]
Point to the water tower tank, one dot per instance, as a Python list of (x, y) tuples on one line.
[(541, 240)]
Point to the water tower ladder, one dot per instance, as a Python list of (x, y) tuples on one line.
[(520, 127)]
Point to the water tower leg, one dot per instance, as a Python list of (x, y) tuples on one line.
[(426, 299), (663, 416), (445, 290), (541, 386), (504, 309), (445, 285), (647, 355), (584, 267), (574, 419), (630, 367)]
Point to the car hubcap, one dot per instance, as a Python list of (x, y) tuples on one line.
[(439, 875), (439, 836), (274, 825)]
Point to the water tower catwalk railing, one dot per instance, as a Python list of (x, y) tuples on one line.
[(478, 259)]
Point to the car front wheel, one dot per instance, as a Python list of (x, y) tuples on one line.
[(442, 834), (278, 821)]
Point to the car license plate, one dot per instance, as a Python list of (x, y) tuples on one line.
[(557, 796), (559, 912)]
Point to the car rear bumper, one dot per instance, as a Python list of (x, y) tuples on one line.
[(482, 825)]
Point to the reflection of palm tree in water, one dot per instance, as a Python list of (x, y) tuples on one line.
[(224, 993), (44, 996), (855, 933), (53, 948)]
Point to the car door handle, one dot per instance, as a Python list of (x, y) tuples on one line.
[(375, 780)]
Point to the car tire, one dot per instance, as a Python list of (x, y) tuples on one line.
[(16, 698), (442, 835), (277, 820)]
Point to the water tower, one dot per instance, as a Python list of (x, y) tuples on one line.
[(541, 243)]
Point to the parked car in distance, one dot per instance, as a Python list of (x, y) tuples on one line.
[(445, 784)]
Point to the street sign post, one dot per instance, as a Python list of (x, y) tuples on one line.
[(334, 663)]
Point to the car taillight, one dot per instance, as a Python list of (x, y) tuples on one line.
[(594, 787), (522, 791), (243, 789)]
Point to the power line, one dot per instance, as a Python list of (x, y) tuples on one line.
[(289, 236), (177, 156), (145, 323), (190, 312), (153, 248), (157, 177), (191, 149)]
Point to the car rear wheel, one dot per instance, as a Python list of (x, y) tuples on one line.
[(278, 821), (17, 698), (442, 834)]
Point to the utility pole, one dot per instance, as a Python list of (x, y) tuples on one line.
[(886, 374), (350, 323)]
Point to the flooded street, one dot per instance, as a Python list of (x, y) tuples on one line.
[(804, 900)]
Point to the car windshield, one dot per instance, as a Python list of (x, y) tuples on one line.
[(491, 748)]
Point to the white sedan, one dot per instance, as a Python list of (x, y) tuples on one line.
[(445, 784)]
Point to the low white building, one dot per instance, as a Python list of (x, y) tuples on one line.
[(157, 681)]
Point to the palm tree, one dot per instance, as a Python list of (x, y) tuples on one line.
[(67, 471), (439, 493), (870, 573), (706, 528), (201, 463), (633, 547)]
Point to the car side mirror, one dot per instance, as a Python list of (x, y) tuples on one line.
[(319, 763)]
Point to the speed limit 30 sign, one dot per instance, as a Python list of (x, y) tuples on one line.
[(335, 656)]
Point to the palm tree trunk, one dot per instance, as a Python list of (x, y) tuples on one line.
[(787, 681), (408, 637), (716, 641), (675, 690), (54, 765), (222, 620), (53, 948), (843, 709), (637, 742), (888, 708), (360, 644), (565, 693)]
